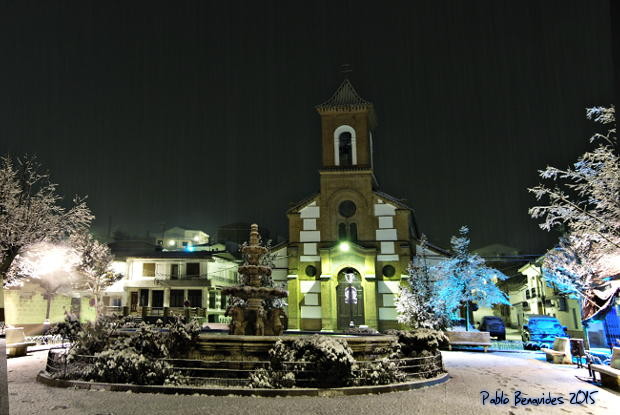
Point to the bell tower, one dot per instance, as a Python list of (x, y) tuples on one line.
[(347, 121)]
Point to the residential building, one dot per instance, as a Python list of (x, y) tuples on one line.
[(536, 296), (178, 238), (168, 282), (35, 306)]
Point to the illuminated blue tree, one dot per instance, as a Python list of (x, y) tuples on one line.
[(464, 279)]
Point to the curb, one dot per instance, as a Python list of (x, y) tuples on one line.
[(45, 378)]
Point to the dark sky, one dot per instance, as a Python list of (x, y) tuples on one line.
[(201, 113)]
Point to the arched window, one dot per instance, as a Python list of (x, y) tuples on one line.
[(345, 152), (353, 232), (344, 149), (342, 232)]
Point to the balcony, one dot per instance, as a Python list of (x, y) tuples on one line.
[(183, 281)]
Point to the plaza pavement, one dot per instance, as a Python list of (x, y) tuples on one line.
[(471, 373)]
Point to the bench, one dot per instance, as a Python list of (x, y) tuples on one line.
[(610, 375), (16, 344), (469, 338), (560, 353)]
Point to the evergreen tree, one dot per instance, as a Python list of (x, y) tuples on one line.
[(464, 279), (415, 304)]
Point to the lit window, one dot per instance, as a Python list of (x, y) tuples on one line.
[(148, 269)]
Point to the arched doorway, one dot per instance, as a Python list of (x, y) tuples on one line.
[(350, 298)]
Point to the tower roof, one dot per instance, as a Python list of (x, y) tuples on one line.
[(346, 98)]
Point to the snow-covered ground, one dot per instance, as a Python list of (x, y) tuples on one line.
[(471, 372)]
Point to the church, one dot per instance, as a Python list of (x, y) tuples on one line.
[(350, 244)]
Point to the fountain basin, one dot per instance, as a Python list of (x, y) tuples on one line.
[(246, 291), (215, 347)]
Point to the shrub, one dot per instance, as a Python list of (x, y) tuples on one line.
[(427, 367), (128, 366), (147, 340), (127, 357), (181, 337), (94, 338), (413, 342), (316, 361), (329, 359), (272, 379), (68, 330), (381, 372)]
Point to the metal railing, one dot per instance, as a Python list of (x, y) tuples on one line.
[(306, 373)]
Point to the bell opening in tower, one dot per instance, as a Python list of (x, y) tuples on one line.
[(345, 150)]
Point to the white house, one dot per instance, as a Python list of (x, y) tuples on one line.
[(535, 296), (179, 238), (161, 282)]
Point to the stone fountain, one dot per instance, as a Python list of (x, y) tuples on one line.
[(259, 319), (255, 309)]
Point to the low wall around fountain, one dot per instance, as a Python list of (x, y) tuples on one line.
[(214, 347)]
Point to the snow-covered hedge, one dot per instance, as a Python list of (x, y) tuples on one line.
[(316, 361), (102, 352), (321, 361), (414, 342), (127, 365), (68, 330)]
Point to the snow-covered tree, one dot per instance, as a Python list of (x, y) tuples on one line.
[(51, 266), (94, 267), (416, 305), (464, 278), (572, 266), (30, 210), (585, 202), (585, 198)]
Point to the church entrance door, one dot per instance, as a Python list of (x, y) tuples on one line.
[(350, 296)]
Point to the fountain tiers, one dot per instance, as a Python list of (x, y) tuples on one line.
[(253, 318)]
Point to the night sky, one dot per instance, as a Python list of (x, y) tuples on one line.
[(201, 113)]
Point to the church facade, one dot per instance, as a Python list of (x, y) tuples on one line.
[(350, 244)]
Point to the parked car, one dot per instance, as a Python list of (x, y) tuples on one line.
[(494, 325), (542, 330)]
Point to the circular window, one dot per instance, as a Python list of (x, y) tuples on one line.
[(347, 208), (310, 270), (389, 271)]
